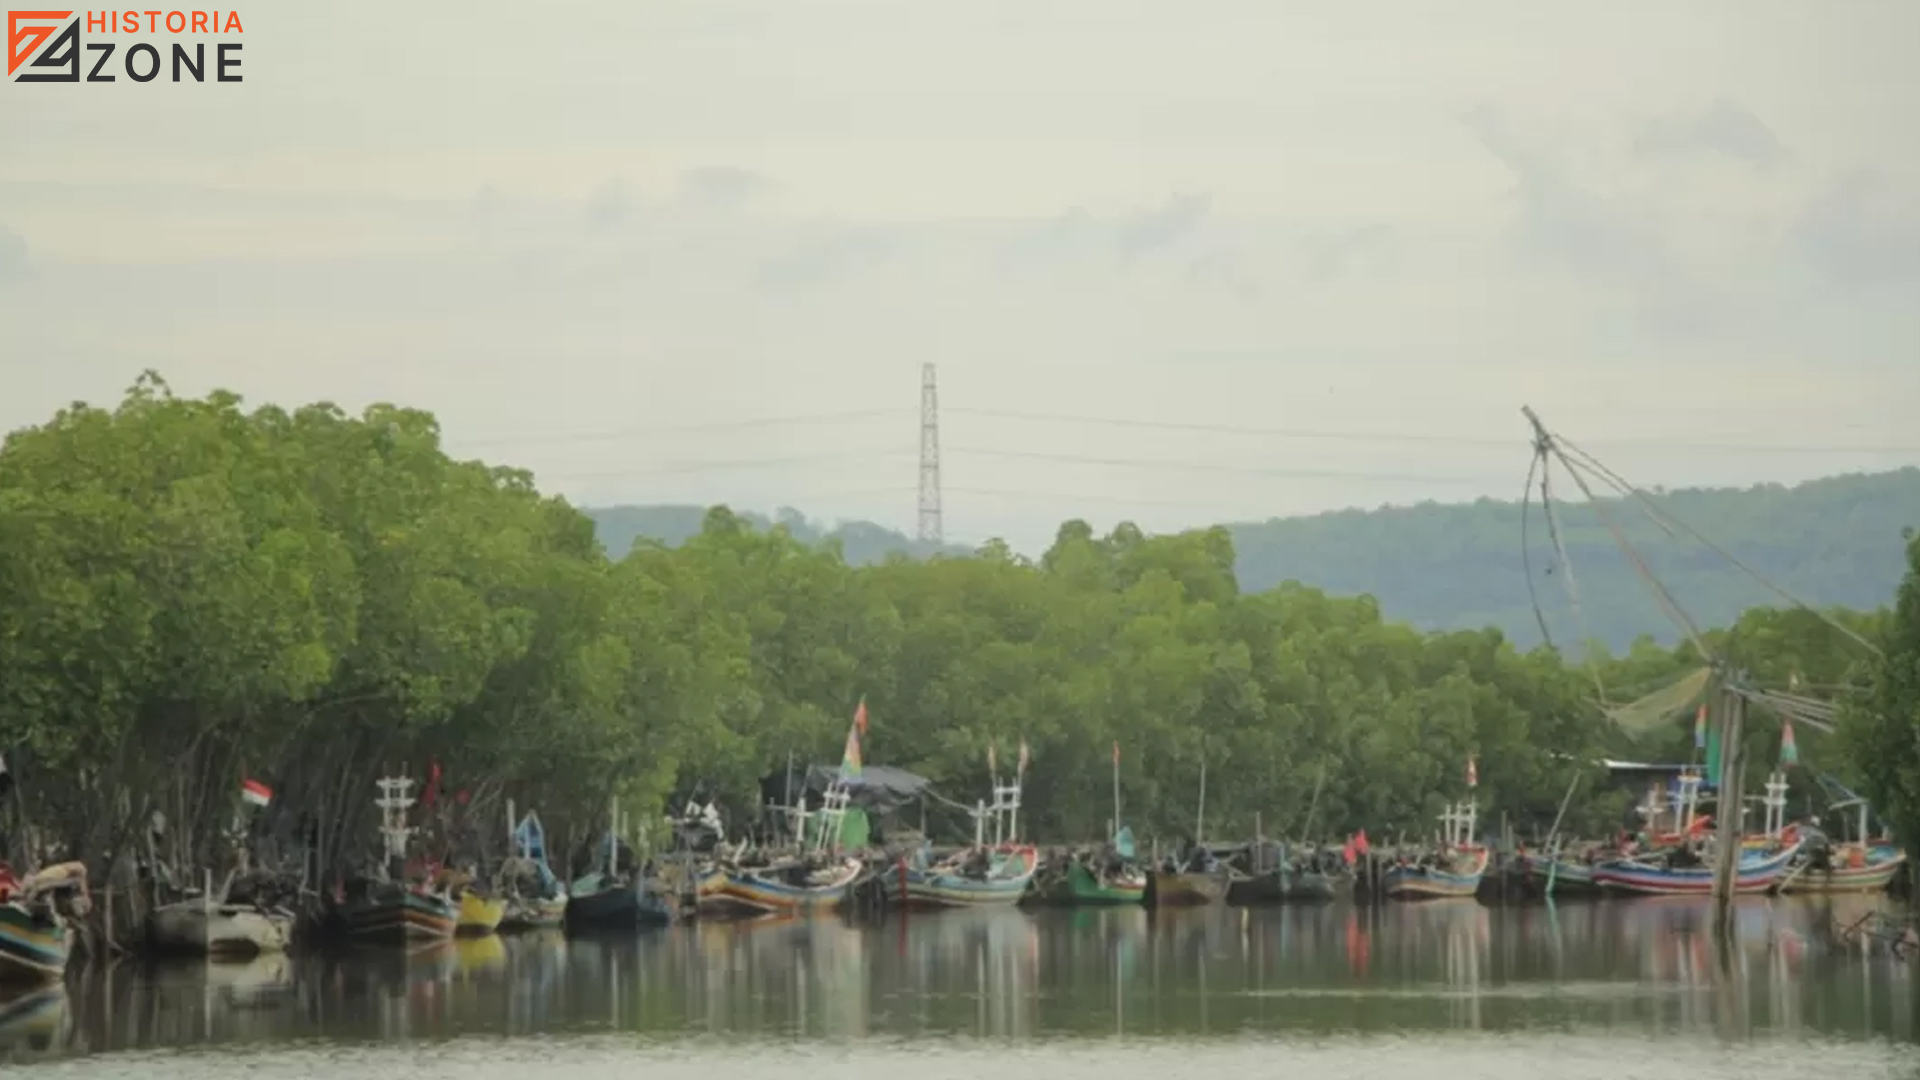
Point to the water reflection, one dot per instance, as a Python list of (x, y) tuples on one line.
[(1647, 969)]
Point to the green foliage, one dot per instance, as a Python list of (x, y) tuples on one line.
[(1458, 567), (191, 593), (1882, 732)]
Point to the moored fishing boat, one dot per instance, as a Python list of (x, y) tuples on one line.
[(1193, 878), (534, 897), (1557, 873), (34, 911), (478, 915), (218, 928), (1860, 864), (1686, 873), (386, 908), (977, 877), (1272, 873), (790, 887), (615, 896), (1108, 877), (1453, 872)]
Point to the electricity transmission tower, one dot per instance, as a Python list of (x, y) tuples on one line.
[(930, 528)]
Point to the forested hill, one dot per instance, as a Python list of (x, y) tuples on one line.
[(1830, 541)]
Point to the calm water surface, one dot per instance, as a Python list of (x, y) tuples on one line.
[(1452, 990)]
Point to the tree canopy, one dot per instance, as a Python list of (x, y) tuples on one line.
[(191, 593), (1438, 566)]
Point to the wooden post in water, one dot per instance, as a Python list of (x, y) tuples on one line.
[(1732, 709)]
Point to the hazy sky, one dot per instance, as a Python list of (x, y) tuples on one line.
[(591, 235)]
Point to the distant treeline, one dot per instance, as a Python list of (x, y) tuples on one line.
[(1458, 566), (191, 593)]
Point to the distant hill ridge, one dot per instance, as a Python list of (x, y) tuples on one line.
[(1833, 541)]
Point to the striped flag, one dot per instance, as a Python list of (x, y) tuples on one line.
[(1700, 727), (850, 758), (860, 715), (1789, 750), (255, 792)]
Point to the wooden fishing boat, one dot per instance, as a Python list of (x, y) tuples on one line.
[(1566, 875), (1082, 885), (393, 913), (1189, 888), (1757, 872), (1851, 868), (619, 902), (1861, 864), (478, 916), (35, 942), (208, 927), (535, 913), (1289, 884), (532, 896), (790, 887), (1455, 874), (977, 877)]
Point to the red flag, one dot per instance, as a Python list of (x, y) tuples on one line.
[(432, 792), (1360, 842), (860, 715), (1349, 851)]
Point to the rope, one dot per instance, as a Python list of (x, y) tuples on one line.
[(1669, 522), (1526, 549), (1543, 447)]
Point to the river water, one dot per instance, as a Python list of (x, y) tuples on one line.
[(1447, 990)]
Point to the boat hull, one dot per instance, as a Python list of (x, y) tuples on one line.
[(1290, 887), (478, 915), (1082, 888), (1411, 882), (934, 888), (1873, 876), (1755, 874), (193, 926), (401, 917), (1189, 890), (618, 907), (33, 948), (539, 913), (755, 893), (1566, 875)]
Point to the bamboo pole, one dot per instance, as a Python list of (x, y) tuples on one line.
[(1732, 720)]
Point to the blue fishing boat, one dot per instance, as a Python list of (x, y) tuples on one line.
[(976, 877), (1453, 872), (1687, 874)]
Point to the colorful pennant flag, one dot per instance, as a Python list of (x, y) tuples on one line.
[(1789, 750), (255, 792), (1700, 727), (860, 715), (850, 758)]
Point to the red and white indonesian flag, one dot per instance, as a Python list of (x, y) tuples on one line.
[(255, 792)]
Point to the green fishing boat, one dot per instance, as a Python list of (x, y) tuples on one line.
[(1110, 877)]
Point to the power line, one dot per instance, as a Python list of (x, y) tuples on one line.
[(1201, 466), (1408, 437), (687, 429), (1061, 497), (685, 467)]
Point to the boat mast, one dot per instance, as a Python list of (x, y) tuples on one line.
[(394, 802)]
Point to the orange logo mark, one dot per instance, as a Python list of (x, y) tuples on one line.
[(24, 41)]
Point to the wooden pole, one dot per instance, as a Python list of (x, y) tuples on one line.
[(1733, 709)]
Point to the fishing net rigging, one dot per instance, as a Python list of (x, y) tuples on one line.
[(1587, 473)]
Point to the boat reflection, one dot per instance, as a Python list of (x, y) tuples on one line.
[(1643, 969)]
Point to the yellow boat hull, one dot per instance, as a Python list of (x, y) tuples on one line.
[(478, 915)]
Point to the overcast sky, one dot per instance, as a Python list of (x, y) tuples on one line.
[(590, 235)]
